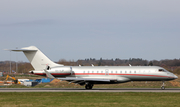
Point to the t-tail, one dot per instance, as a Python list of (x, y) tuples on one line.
[(38, 60)]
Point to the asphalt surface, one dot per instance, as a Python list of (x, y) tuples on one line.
[(92, 90)]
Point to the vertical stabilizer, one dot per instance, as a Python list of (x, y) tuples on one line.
[(38, 60)]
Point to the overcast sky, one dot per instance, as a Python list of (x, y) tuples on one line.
[(79, 29)]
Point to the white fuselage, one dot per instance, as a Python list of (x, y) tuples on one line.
[(116, 73)]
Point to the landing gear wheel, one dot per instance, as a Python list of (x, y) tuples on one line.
[(163, 85), (89, 86), (163, 88)]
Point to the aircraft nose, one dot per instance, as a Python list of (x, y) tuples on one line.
[(175, 76)]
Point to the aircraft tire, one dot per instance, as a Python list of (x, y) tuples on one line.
[(163, 88), (89, 86)]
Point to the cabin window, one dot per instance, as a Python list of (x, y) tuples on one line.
[(83, 71), (125, 72), (121, 72), (129, 71), (111, 71), (97, 71), (101, 71), (92, 71), (88, 71), (134, 71), (116, 72)]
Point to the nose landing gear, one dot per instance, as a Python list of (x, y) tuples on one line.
[(163, 85)]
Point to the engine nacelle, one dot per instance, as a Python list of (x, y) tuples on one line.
[(60, 71), (56, 72)]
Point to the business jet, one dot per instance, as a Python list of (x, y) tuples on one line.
[(89, 75)]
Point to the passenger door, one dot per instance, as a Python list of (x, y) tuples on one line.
[(106, 72)]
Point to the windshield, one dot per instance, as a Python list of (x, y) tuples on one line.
[(162, 70)]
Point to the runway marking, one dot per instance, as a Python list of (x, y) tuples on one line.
[(84, 90)]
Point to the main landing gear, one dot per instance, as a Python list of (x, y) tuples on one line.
[(89, 86), (163, 85)]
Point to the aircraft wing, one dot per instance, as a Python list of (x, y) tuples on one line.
[(84, 79), (96, 79)]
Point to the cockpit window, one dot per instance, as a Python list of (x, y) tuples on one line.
[(161, 70)]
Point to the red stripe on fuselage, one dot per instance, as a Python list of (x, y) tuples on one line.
[(104, 74), (121, 74)]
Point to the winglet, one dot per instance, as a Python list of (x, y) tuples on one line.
[(48, 74)]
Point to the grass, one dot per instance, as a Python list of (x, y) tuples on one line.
[(75, 99), (64, 84)]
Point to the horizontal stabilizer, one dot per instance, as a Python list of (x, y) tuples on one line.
[(21, 50), (25, 49)]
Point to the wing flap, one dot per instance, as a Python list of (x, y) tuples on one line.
[(84, 79)]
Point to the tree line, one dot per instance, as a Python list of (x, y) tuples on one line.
[(121, 62), (172, 65)]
